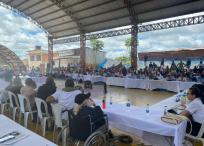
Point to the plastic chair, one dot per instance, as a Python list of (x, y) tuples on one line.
[(57, 114), (199, 136), (14, 104), (43, 117), (24, 102), (3, 105)]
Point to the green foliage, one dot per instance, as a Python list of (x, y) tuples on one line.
[(123, 59), (96, 44), (128, 45)]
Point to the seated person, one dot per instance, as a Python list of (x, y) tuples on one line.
[(66, 96), (29, 91), (85, 107), (87, 81), (194, 110), (15, 86), (46, 90)]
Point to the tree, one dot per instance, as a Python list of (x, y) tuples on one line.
[(97, 45), (128, 45), (123, 59)]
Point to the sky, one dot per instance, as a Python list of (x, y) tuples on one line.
[(21, 35)]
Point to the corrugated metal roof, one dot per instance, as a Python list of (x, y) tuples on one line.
[(63, 18), (11, 58)]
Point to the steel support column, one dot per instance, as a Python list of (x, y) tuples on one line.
[(83, 50), (134, 39), (50, 53), (134, 32)]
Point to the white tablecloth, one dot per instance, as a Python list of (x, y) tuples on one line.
[(186, 85), (161, 84), (174, 86), (136, 83), (132, 119), (98, 79), (7, 126), (115, 81)]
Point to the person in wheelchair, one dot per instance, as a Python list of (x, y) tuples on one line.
[(85, 118)]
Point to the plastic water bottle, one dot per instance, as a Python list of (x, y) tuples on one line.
[(128, 103), (103, 103), (183, 98), (147, 109), (165, 110), (111, 100)]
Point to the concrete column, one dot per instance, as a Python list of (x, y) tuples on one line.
[(50, 53), (134, 40), (82, 50)]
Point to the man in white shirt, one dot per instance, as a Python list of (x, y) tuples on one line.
[(66, 96)]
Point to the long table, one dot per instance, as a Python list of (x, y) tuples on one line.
[(146, 84), (133, 119), (32, 139)]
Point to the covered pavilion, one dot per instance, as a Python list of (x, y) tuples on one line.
[(66, 18)]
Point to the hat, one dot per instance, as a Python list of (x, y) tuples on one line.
[(79, 99)]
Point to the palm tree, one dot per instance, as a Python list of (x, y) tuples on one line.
[(128, 45), (97, 45)]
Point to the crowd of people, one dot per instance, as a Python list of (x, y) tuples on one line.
[(79, 104), (179, 72), (71, 97)]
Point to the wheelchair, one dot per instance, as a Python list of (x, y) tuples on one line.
[(89, 135)]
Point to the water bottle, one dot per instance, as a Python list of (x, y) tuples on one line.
[(165, 110), (183, 98), (147, 109), (111, 102), (103, 103), (128, 103)]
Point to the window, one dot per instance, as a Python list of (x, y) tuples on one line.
[(38, 58), (32, 58)]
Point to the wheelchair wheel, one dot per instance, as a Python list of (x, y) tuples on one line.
[(96, 139)]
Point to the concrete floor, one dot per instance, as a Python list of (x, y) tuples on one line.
[(137, 97)]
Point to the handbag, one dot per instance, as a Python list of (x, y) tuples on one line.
[(173, 118)]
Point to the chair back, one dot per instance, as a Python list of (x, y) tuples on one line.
[(78, 130), (201, 132), (40, 102), (13, 100), (57, 114), (24, 104)]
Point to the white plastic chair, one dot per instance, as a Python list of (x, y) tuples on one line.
[(57, 114), (12, 105), (24, 102), (43, 117), (4, 104), (199, 136)]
